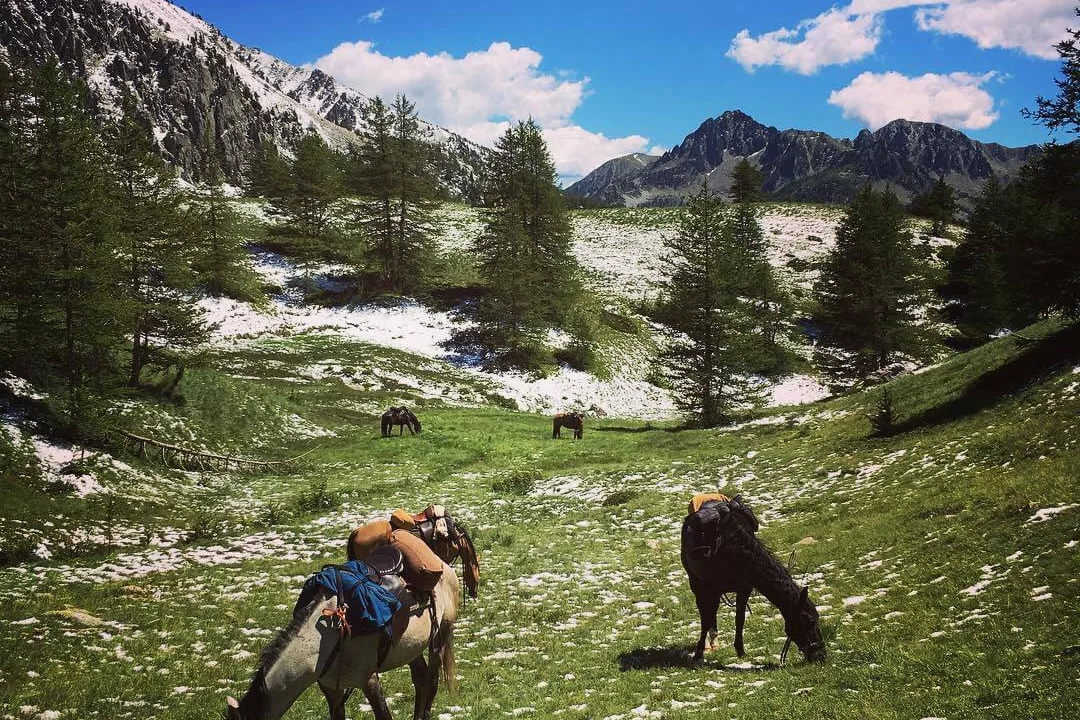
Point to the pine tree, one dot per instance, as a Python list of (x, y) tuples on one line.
[(1063, 111), (869, 291), (313, 188), (155, 240), (746, 183), (221, 263), (79, 318), (268, 173), (524, 250), (395, 215), (938, 204), (708, 363), (414, 193)]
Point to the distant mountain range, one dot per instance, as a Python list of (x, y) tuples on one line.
[(804, 165), (185, 74)]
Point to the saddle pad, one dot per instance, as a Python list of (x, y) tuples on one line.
[(366, 538), (371, 607), (423, 568), (702, 498)]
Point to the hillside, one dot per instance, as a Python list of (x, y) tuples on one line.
[(941, 558), (185, 74), (804, 165)]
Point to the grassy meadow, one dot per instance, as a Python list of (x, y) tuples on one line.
[(943, 558)]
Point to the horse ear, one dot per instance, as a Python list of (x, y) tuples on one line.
[(804, 595)]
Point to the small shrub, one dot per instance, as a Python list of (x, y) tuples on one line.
[(16, 551), (317, 499), (520, 481), (618, 323), (883, 418), (578, 355), (620, 497)]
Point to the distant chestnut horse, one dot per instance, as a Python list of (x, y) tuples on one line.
[(403, 418), (573, 420)]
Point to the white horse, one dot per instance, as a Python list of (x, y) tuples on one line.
[(313, 649)]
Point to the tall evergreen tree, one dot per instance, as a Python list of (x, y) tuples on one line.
[(938, 204), (314, 186), (80, 319), (869, 291), (1063, 110), (746, 183), (708, 363), (524, 249), (395, 214), (268, 173), (154, 243), (221, 261)]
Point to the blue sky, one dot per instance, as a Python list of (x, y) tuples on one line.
[(608, 78)]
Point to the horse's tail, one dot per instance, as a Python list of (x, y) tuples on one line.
[(449, 667)]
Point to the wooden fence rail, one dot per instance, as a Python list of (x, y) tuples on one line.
[(190, 459)]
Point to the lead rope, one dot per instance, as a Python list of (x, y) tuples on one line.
[(784, 652)]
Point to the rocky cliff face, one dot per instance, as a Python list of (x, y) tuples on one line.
[(806, 165), (186, 75)]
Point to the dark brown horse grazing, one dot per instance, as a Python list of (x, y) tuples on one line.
[(573, 420), (403, 418), (722, 554)]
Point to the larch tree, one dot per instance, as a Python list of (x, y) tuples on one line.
[(523, 251), (870, 290), (221, 262), (708, 360), (155, 247)]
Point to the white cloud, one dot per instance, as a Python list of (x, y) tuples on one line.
[(478, 95), (834, 37), (843, 35), (374, 16), (1031, 26), (956, 99)]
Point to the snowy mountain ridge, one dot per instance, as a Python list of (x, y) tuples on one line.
[(185, 73)]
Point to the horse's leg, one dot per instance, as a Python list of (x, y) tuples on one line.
[(432, 689), (418, 668), (708, 603), (335, 700), (742, 597), (374, 694)]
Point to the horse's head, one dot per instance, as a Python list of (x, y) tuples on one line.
[(470, 564), (802, 628), (416, 423)]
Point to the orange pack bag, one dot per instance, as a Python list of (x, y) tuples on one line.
[(702, 498), (366, 538), (402, 520), (423, 568)]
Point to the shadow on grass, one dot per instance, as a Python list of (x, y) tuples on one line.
[(651, 658), (639, 429), (1036, 361)]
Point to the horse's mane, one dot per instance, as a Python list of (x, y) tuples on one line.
[(772, 575), (255, 700)]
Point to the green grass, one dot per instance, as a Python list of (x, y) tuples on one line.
[(584, 610)]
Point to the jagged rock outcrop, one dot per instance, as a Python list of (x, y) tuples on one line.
[(806, 165), (185, 74)]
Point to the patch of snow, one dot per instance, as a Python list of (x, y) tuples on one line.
[(1047, 513)]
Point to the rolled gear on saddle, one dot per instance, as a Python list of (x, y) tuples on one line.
[(423, 568), (366, 538), (701, 498), (369, 607)]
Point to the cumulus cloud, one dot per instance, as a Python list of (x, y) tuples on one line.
[(834, 37), (1032, 26), (374, 16), (957, 99), (843, 35), (478, 95)]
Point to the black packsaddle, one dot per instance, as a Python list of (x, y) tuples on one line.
[(702, 531)]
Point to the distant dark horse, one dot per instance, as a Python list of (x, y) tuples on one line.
[(403, 418), (721, 555), (573, 420)]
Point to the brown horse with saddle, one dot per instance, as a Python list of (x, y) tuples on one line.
[(573, 420), (418, 536)]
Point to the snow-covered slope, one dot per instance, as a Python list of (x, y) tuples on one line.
[(184, 74)]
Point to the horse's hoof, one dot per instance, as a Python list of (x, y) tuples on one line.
[(697, 659), (740, 651)]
